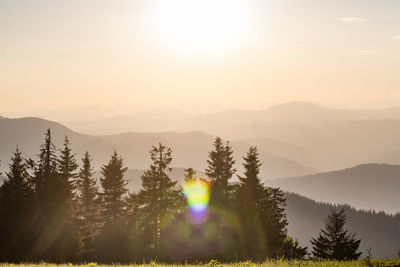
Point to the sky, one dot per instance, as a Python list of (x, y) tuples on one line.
[(198, 55)]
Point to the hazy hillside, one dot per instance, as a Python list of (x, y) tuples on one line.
[(190, 149), (336, 144), (87, 112), (318, 137), (378, 231), (371, 186), (305, 112), (151, 121), (28, 134)]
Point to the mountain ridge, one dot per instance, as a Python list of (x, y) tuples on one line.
[(189, 149), (367, 186)]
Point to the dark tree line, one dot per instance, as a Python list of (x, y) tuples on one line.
[(52, 210)]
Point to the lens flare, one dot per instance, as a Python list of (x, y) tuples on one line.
[(197, 193)]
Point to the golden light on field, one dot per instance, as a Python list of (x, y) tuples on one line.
[(202, 26)]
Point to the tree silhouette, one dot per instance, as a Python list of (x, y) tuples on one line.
[(113, 240), (276, 222), (158, 199), (15, 212), (334, 242), (87, 208), (262, 213), (67, 166), (251, 199), (219, 171), (46, 167), (293, 250), (56, 235)]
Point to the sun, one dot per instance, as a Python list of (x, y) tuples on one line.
[(202, 26)]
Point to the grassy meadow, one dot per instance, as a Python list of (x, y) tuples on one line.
[(278, 263)]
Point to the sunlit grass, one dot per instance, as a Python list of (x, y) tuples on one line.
[(278, 263)]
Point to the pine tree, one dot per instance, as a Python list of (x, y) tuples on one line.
[(88, 208), (293, 250), (250, 196), (44, 180), (334, 242), (158, 198), (228, 169), (46, 167), (67, 166), (216, 161), (114, 189), (56, 233), (15, 212), (220, 170), (276, 222), (113, 239)]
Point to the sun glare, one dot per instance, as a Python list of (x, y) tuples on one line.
[(197, 193), (203, 26)]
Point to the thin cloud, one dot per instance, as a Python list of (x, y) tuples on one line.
[(353, 19)]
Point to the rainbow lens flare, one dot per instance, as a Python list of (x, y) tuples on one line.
[(197, 193)]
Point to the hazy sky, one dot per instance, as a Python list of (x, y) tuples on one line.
[(197, 55)]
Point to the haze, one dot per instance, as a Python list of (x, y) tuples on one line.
[(198, 56)]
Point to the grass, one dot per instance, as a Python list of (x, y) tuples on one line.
[(279, 263)]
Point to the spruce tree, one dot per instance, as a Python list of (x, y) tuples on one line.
[(293, 250), (250, 196), (220, 170), (56, 233), (262, 213), (228, 168), (158, 199), (114, 189), (87, 208), (15, 212), (113, 238), (276, 222), (67, 166), (334, 242), (46, 167)]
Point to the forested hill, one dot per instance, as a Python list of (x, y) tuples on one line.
[(368, 186), (378, 231)]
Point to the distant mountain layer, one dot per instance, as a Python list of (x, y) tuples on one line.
[(370, 186), (304, 136), (190, 149), (378, 231), (304, 112), (314, 136)]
